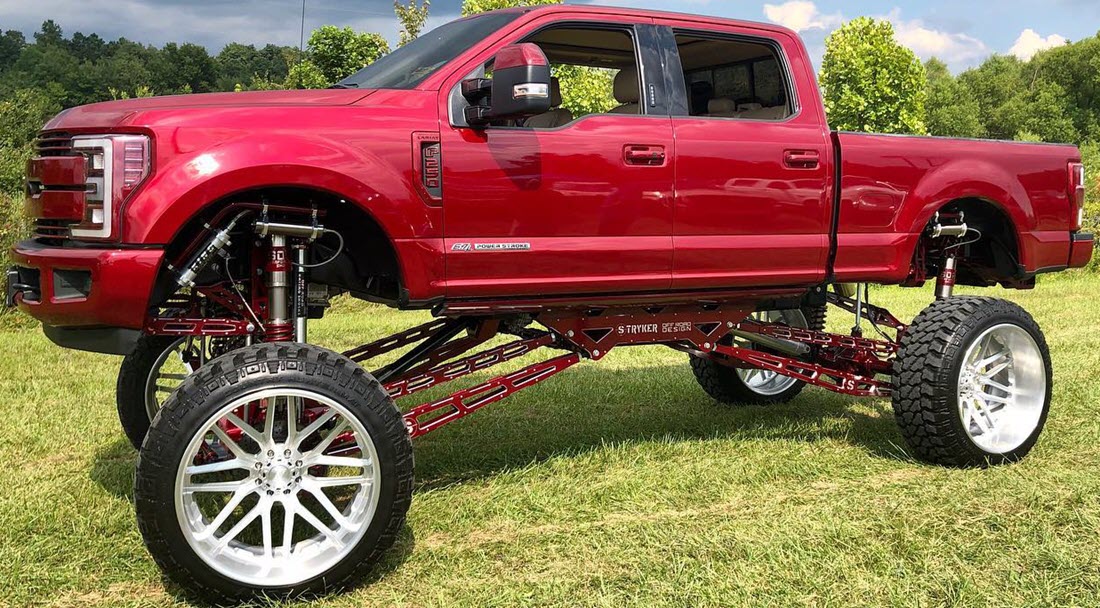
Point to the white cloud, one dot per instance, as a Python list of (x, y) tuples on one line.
[(1030, 42), (801, 15), (954, 48)]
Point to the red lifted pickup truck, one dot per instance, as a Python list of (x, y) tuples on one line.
[(712, 210)]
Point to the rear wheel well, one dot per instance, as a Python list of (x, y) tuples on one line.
[(367, 266), (991, 259)]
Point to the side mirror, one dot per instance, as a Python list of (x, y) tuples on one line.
[(520, 87)]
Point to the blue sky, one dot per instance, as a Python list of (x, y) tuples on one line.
[(961, 33)]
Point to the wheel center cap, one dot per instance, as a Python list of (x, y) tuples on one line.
[(280, 476)]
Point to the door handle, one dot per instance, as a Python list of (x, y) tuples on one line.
[(648, 156), (801, 159)]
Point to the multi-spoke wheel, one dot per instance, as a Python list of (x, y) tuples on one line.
[(972, 382), (157, 367), (277, 469), (739, 385)]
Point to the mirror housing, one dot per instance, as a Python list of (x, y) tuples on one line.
[(520, 87)]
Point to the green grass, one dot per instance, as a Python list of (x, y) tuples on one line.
[(616, 484)]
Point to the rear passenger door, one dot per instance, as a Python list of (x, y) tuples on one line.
[(752, 157)]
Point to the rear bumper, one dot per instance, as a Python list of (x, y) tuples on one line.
[(70, 287), (1080, 250)]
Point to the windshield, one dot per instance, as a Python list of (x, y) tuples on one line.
[(409, 65)]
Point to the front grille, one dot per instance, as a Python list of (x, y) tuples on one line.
[(53, 231), (54, 143)]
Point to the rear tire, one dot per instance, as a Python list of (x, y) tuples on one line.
[(303, 400), (736, 386), (972, 383)]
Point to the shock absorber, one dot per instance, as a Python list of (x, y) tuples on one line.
[(279, 327), (945, 282), (301, 290), (288, 300)]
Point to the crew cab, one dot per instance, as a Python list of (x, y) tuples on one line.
[(710, 208)]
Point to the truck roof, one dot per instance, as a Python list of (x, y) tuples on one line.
[(651, 13)]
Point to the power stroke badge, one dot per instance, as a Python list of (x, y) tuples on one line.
[(491, 247)]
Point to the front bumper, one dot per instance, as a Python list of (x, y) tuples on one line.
[(83, 287)]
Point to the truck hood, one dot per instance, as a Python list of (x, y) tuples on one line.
[(115, 113)]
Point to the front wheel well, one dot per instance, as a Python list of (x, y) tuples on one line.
[(367, 267)]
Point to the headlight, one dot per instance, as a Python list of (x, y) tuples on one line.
[(117, 165)]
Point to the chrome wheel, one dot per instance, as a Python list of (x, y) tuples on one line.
[(277, 487), (1002, 388), (762, 381)]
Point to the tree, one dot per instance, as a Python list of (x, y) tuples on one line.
[(50, 33), (11, 46), (185, 68), (1076, 69), (950, 110), (586, 90), (870, 82), (412, 18), (238, 64), (340, 52), (1015, 100), (473, 7)]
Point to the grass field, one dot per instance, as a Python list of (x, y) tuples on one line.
[(615, 484)]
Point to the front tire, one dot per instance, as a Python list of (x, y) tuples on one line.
[(276, 469), (141, 388), (972, 383)]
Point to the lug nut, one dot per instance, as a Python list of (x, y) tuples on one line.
[(271, 453), (270, 493), (259, 466), (298, 464), (286, 453)]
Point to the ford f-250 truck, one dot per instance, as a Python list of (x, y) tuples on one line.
[(711, 210)]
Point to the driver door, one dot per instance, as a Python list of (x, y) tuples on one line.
[(581, 208)]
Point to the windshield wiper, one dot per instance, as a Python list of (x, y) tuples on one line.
[(341, 85)]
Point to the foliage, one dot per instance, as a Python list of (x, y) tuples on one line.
[(950, 110), (1090, 155), (412, 18), (1075, 69), (870, 82), (21, 115), (1012, 99), (305, 75), (340, 52), (586, 90), (238, 64), (473, 7)]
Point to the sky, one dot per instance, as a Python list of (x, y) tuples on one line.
[(959, 32)]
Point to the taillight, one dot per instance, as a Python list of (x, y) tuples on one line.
[(1077, 193), (117, 165)]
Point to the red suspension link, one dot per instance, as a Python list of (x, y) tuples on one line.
[(464, 367), (430, 416), (837, 381)]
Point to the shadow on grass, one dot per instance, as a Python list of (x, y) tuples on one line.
[(589, 407)]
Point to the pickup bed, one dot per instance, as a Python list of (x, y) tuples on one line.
[(710, 208)]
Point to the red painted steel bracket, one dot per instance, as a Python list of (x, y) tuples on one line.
[(597, 335)]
